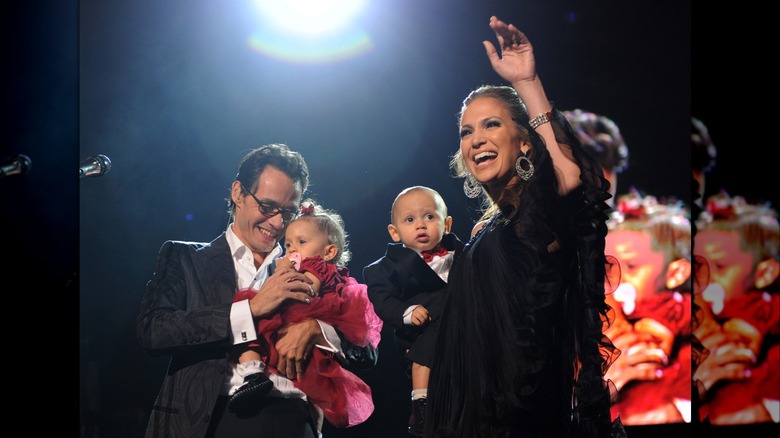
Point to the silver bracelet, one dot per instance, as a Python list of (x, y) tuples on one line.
[(540, 120)]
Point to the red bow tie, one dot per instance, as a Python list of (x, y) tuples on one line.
[(438, 251)]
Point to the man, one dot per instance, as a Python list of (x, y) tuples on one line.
[(652, 305), (740, 317), (188, 313)]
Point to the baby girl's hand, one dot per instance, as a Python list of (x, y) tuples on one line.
[(296, 260), (289, 261)]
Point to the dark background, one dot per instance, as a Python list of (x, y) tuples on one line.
[(170, 91)]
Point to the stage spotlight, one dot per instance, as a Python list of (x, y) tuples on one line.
[(310, 31), (310, 17)]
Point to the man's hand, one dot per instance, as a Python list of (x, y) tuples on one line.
[(295, 344), (285, 284), (730, 358), (645, 349)]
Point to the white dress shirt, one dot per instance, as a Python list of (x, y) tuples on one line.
[(441, 266)]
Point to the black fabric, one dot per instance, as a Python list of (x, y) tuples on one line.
[(271, 418), (525, 303)]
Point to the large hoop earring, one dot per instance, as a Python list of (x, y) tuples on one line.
[(524, 167), (471, 189)]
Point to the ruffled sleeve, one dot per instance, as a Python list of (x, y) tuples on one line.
[(326, 273), (587, 307)]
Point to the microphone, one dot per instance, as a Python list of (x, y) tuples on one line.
[(94, 166), (19, 165)]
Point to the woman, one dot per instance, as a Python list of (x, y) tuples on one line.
[(521, 351)]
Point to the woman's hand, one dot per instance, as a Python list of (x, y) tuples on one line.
[(516, 62)]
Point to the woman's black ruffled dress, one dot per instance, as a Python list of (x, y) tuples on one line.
[(521, 351)]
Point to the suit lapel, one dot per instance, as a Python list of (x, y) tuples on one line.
[(418, 273), (217, 272)]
